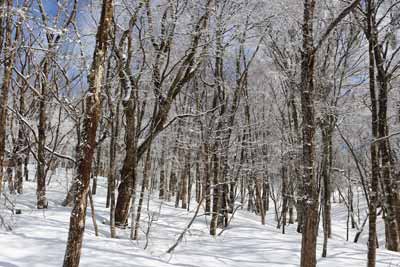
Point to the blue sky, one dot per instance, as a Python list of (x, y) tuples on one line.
[(51, 7)]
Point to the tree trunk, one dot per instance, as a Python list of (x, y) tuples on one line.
[(146, 169), (265, 193), (206, 178), (19, 179), (96, 170), (185, 181), (41, 152), (326, 170), (216, 205), (198, 183), (260, 200), (161, 194), (91, 119), (8, 63), (309, 236), (128, 173), (112, 163), (373, 195), (284, 196)]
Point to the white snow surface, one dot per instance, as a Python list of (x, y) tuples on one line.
[(38, 238)]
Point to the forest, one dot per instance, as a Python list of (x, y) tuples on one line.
[(199, 133)]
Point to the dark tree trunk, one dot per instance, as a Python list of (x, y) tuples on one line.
[(21, 142), (161, 194), (326, 179), (114, 118), (91, 119), (265, 193), (390, 204), (146, 170), (260, 200), (216, 199), (185, 181), (285, 196), (9, 51), (373, 196), (309, 236), (128, 173), (198, 183), (41, 152), (206, 183)]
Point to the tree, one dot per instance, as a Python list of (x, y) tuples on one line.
[(90, 123), (180, 74), (9, 51), (309, 236)]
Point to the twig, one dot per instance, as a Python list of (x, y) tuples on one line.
[(96, 229), (171, 249), (229, 222)]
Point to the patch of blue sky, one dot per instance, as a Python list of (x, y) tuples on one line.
[(70, 50)]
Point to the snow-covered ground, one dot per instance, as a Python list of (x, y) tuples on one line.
[(38, 238)]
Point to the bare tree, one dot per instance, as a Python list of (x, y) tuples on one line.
[(92, 114)]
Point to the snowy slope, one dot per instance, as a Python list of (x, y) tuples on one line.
[(38, 239)]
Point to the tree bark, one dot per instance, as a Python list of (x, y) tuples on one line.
[(163, 182), (146, 170), (373, 194), (8, 64), (309, 236), (327, 129), (90, 123), (41, 152)]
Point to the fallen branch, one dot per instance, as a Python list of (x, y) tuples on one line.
[(230, 219), (171, 249)]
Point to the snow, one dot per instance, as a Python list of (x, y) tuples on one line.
[(38, 238)]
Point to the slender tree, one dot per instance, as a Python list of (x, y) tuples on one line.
[(90, 123)]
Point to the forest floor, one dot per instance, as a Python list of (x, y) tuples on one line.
[(38, 238)]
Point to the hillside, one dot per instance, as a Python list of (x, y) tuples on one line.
[(38, 238)]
